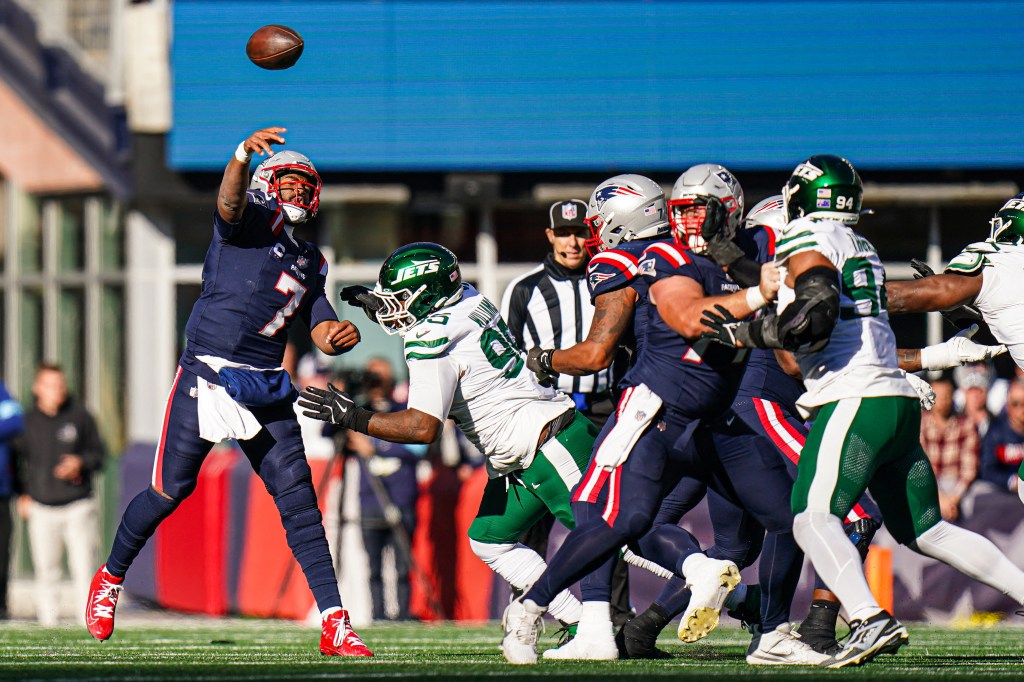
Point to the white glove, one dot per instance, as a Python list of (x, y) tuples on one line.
[(958, 350), (924, 390)]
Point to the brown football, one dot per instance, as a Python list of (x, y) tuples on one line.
[(274, 47)]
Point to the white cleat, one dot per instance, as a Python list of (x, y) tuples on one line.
[(586, 648), (521, 622), (710, 582), (782, 646)]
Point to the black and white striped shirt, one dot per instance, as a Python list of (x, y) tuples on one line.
[(550, 307)]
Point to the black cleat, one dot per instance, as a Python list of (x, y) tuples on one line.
[(634, 641), (879, 634)]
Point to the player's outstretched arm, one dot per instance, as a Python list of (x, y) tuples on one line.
[(338, 408), (335, 337), (682, 303), (959, 350), (231, 197), (613, 315), (938, 292)]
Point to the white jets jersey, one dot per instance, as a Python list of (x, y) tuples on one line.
[(859, 360), (1001, 267), (464, 364)]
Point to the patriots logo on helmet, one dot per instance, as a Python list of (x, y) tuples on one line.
[(569, 211), (727, 178), (607, 193)]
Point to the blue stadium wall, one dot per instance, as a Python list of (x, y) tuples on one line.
[(593, 86)]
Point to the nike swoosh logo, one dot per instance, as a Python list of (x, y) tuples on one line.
[(729, 421), (421, 334), (535, 485)]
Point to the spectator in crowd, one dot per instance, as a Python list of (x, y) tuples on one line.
[(973, 384), (313, 369), (951, 443), (388, 490), (1002, 449), (11, 423), (58, 452), (550, 307)]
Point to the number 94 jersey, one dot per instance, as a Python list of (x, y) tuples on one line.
[(464, 364), (859, 360)]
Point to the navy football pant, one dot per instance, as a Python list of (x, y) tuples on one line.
[(276, 454), (617, 506)]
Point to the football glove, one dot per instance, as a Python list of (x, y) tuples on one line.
[(724, 327), (961, 316), (717, 234), (361, 297), (538, 361), (959, 350), (334, 406), (924, 391)]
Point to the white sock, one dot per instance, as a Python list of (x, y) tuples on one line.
[(974, 556), (327, 612), (521, 566), (821, 537), (595, 621), (736, 597)]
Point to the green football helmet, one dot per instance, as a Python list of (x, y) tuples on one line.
[(414, 281), (824, 186), (1008, 223)]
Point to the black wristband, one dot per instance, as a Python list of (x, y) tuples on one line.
[(360, 420), (544, 360)]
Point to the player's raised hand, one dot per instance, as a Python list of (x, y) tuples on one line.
[(260, 141), (771, 280)]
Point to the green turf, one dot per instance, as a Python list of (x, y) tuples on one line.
[(269, 650)]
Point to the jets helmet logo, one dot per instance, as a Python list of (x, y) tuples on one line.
[(808, 171), (417, 269), (1014, 204)]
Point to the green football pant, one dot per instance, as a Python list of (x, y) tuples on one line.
[(874, 444), (513, 503)]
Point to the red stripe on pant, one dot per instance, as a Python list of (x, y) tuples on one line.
[(591, 485), (778, 428), (158, 458), (611, 508)]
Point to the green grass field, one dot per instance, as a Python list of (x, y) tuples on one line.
[(253, 650)]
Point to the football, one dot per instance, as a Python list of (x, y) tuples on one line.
[(274, 47)]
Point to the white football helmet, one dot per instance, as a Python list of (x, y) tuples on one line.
[(770, 212), (267, 178), (691, 191), (624, 208)]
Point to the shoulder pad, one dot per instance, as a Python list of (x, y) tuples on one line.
[(663, 259), (610, 270), (258, 198), (803, 234), (428, 339), (972, 259)]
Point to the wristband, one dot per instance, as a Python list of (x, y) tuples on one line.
[(241, 155), (755, 299)]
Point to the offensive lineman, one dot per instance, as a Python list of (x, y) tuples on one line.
[(230, 384), (832, 314), (985, 275)]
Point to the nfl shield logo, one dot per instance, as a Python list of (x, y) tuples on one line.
[(569, 211)]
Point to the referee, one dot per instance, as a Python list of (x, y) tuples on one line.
[(550, 307)]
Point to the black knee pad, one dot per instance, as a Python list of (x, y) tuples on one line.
[(861, 533)]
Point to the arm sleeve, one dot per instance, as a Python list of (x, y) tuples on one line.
[(320, 308), (432, 385)]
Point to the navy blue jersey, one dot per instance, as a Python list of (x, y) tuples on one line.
[(617, 268), (256, 281), (695, 380), (764, 377)]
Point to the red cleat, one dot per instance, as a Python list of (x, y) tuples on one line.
[(99, 610), (339, 639)]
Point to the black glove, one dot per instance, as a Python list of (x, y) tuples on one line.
[(724, 326), (960, 317), (361, 297), (538, 361), (334, 406), (718, 235)]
